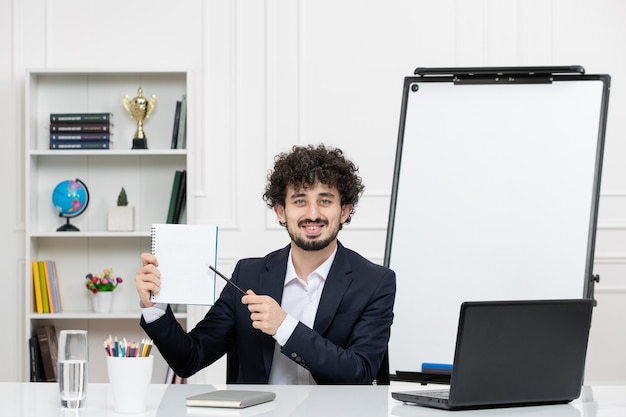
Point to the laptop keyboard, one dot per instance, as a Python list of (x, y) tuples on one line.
[(436, 394)]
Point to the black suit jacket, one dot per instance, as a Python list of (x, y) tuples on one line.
[(345, 346)]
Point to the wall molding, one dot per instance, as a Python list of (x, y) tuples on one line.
[(609, 290), (609, 259), (611, 225)]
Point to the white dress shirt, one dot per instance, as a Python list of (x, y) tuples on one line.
[(300, 301)]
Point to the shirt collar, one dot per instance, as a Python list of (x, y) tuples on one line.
[(321, 270)]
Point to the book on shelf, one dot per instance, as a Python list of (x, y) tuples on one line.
[(44, 288), (47, 340), (172, 378), (80, 136), (53, 285), (49, 286), (174, 196), (36, 364), (81, 117), (176, 125), (182, 125), (81, 127), (37, 287), (81, 144), (184, 252), (181, 198), (56, 284)]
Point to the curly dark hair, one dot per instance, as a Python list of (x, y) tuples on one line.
[(305, 166)]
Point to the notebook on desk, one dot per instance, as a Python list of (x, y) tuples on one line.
[(514, 353)]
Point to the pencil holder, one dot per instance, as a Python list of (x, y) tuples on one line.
[(129, 378)]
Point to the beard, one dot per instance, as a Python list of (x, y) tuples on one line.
[(312, 245)]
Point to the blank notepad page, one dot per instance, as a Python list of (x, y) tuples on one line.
[(184, 252)]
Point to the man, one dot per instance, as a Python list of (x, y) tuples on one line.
[(314, 312)]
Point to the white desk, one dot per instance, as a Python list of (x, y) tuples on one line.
[(42, 400)]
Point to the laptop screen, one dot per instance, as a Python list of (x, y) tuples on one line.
[(520, 351)]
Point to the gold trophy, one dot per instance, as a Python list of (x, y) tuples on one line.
[(139, 109)]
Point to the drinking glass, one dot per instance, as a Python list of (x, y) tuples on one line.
[(72, 363)]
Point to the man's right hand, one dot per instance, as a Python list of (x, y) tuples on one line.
[(148, 279)]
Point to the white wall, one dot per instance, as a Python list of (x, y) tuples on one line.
[(273, 73)]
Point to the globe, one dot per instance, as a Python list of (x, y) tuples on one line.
[(70, 199)]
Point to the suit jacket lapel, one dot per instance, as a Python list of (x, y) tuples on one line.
[(272, 283), (272, 280), (337, 282)]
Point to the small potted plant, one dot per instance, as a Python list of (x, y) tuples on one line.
[(101, 287), (122, 217)]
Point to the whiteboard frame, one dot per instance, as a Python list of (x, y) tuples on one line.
[(483, 80)]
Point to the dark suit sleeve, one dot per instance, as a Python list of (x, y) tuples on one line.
[(351, 349), (187, 353)]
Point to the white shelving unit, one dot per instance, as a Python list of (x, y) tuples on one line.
[(146, 175)]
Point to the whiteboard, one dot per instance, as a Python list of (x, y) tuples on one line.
[(495, 197)]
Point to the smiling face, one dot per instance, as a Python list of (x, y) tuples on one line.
[(313, 215)]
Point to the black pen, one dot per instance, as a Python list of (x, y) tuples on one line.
[(226, 279)]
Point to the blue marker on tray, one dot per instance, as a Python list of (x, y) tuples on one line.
[(436, 368)]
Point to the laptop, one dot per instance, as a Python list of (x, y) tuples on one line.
[(514, 353)]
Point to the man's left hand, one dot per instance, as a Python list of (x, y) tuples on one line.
[(265, 313)]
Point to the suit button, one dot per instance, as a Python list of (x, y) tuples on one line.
[(294, 354)]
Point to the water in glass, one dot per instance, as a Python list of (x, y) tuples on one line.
[(72, 382)]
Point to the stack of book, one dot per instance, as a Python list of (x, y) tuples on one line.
[(43, 354), (81, 130), (46, 287)]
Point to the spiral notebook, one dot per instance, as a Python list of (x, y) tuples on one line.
[(183, 252)]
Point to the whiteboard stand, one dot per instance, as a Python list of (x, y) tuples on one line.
[(495, 196)]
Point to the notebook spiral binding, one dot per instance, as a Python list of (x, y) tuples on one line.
[(152, 239)]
